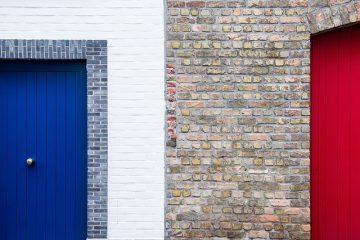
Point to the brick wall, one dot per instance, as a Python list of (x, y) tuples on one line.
[(238, 75), (238, 118)]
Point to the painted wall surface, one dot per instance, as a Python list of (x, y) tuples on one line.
[(134, 30)]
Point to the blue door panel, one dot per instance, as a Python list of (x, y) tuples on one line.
[(81, 146), (51, 145), (43, 107), (60, 181), (32, 173), (40, 149), (11, 181), (21, 154), (70, 156), (4, 153)]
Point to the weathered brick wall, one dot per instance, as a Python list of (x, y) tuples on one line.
[(238, 115), (328, 14)]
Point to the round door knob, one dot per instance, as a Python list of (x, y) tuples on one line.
[(29, 161)]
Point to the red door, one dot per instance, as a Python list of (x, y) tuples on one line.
[(335, 135)]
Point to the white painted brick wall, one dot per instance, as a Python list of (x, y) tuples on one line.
[(134, 30)]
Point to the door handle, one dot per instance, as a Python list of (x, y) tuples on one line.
[(29, 161)]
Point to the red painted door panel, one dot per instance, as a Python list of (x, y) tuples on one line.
[(335, 135)]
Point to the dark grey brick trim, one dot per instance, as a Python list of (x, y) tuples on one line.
[(95, 54)]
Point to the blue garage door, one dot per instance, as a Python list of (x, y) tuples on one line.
[(43, 142)]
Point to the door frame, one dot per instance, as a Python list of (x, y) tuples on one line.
[(94, 54)]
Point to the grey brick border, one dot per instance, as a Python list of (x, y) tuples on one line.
[(95, 54)]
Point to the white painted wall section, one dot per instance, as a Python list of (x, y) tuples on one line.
[(135, 33)]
